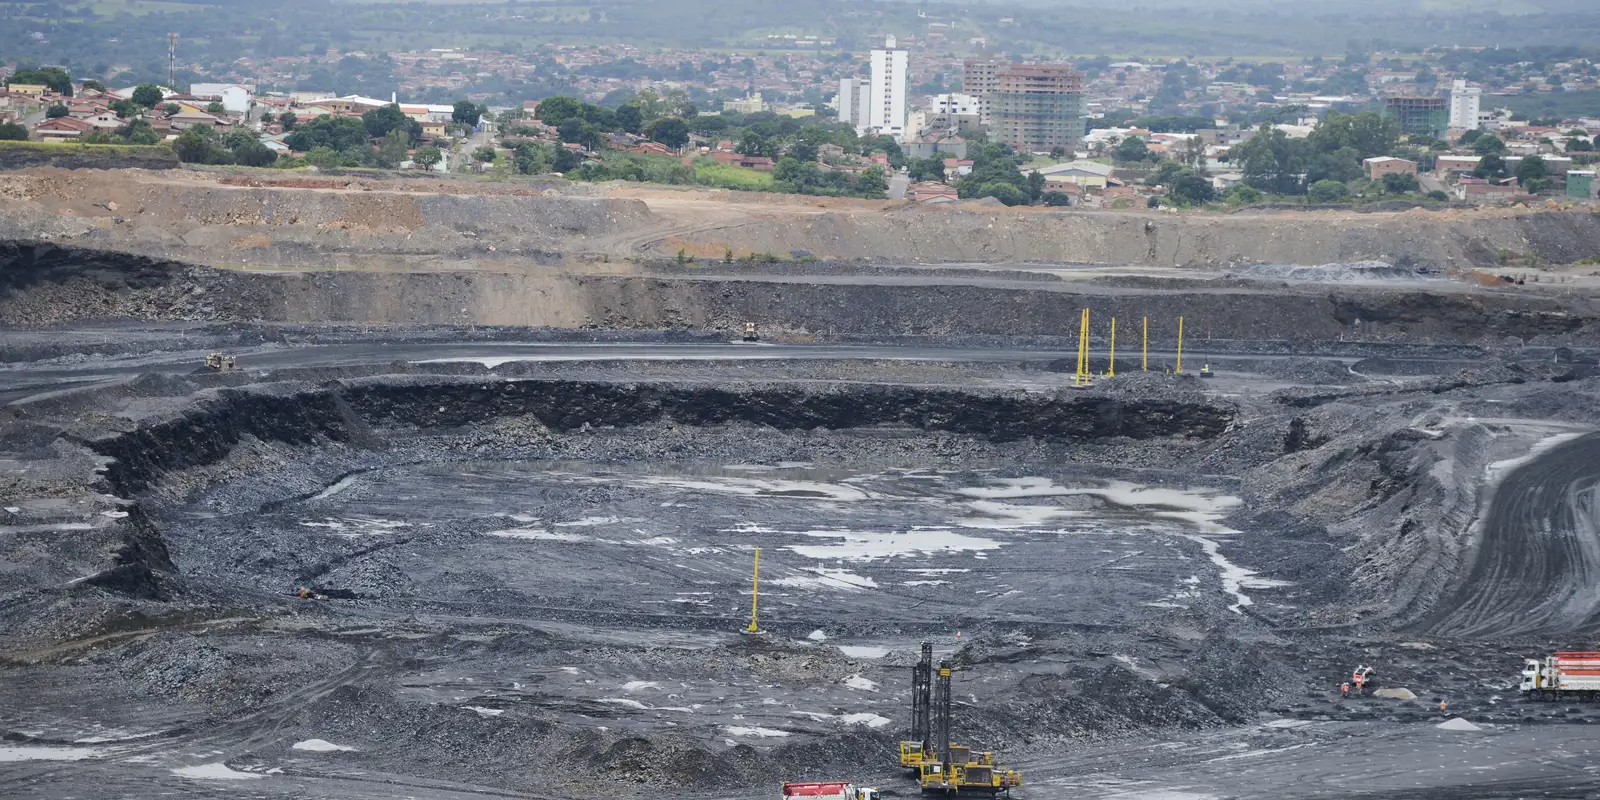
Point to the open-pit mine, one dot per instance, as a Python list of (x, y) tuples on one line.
[(366, 487)]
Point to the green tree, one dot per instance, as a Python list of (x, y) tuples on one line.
[(466, 112), (13, 132), (1004, 192), (1193, 190), (1271, 162), (138, 132), (1531, 168), (1326, 191), (93, 86), (670, 131), (651, 106), (125, 108), (1034, 186), (753, 143), (485, 154), (554, 110), (198, 145), (1400, 183), (1241, 194), (1368, 134), (254, 154), (1131, 149), (1490, 167), (215, 107), (629, 119), (287, 120), (926, 169), (1488, 143), (392, 151), (1470, 136), (54, 78), (532, 158), (380, 121), (56, 112), (427, 157), (1056, 199), (872, 183), (323, 157), (890, 148), (147, 95)]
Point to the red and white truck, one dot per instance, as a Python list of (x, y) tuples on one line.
[(1569, 675), (831, 790)]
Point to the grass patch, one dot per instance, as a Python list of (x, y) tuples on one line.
[(726, 176), (107, 149)]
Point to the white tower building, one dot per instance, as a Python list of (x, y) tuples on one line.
[(1464, 105), (886, 112), (854, 99)]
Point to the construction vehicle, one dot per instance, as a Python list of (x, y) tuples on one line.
[(956, 769), (1363, 679), (1205, 372), (832, 790), (1562, 676), (750, 332), (217, 362), (913, 751)]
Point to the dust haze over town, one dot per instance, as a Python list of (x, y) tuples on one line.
[(1159, 401)]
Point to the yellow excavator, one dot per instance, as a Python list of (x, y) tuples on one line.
[(217, 362)]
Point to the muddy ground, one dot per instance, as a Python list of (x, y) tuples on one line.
[(539, 551)]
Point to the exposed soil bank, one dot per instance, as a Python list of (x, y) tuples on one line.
[(47, 284), (210, 218)]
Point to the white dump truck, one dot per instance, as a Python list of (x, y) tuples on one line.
[(1569, 675)]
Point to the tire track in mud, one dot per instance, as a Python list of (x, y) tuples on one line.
[(1536, 570)]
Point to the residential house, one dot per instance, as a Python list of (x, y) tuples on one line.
[(757, 163), (651, 149), (1480, 189), (188, 118), (957, 167), (930, 192), (433, 130), (1455, 165), (1388, 165), (62, 128), (232, 96), (30, 89)]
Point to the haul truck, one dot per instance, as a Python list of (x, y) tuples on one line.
[(1569, 675), (831, 790)]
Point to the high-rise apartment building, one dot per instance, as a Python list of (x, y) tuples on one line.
[(977, 79), (1424, 116), (886, 110), (1465, 102), (854, 96), (1037, 107)]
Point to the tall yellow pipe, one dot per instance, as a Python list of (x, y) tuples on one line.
[(1180, 344), (1111, 369), (1144, 361), (755, 592)]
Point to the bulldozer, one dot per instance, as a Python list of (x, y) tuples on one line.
[(217, 362), (750, 334)]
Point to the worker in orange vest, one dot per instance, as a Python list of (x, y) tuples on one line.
[(1442, 706)]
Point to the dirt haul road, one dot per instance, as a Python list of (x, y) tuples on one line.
[(419, 223)]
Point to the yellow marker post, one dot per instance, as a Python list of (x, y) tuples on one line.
[(1144, 361), (755, 592), (1180, 345), (1111, 369)]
